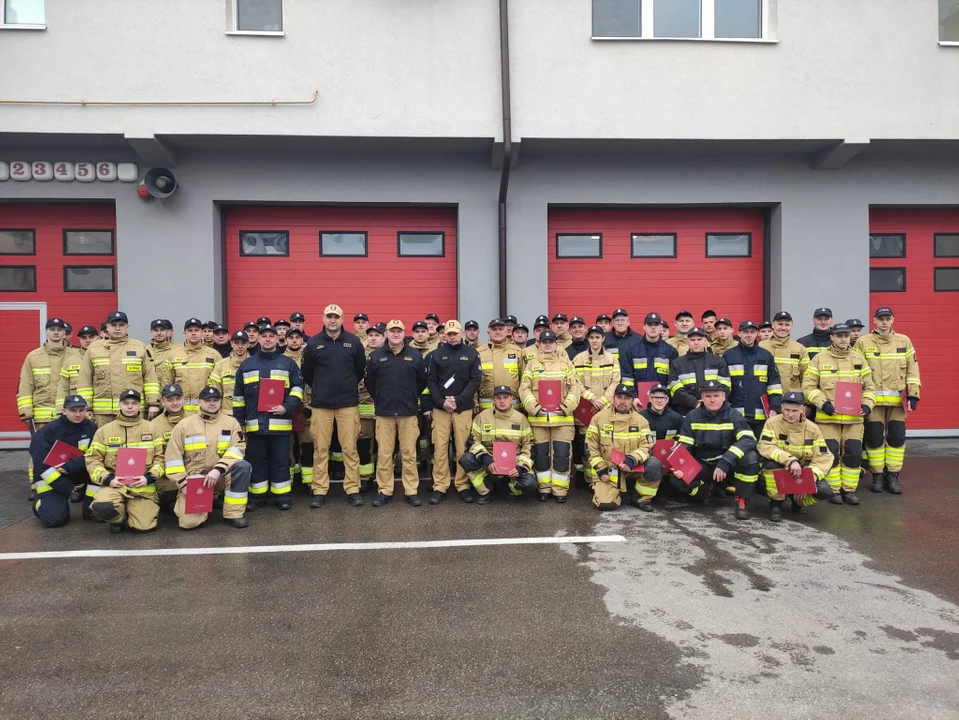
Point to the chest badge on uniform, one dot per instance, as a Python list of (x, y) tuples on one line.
[(488, 428), (131, 353)]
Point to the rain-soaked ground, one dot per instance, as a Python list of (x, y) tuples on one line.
[(852, 612)]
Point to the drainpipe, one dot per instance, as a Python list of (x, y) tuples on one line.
[(507, 147)]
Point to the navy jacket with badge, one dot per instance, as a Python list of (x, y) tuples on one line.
[(617, 344), (74, 471), (720, 438), (453, 370), (647, 361), (753, 373), (333, 368), (666, 426), (262, 366), (396, 381)]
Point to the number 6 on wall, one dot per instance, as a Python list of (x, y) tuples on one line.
[(106, 171)]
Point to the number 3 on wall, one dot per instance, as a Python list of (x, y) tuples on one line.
[(42, 171)]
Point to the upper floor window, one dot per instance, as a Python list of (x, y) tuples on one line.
[(949, 21), (682, 19), (259, 17), (22, 12)]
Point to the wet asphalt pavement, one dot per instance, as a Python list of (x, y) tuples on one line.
[(850, 613)]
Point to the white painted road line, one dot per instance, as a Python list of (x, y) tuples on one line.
[(319, 547)]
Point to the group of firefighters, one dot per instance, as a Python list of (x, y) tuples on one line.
[(743, 406)]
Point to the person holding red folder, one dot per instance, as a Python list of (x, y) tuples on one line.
[(843, 430), (121, 501), (599, 373), (791, 442), (500, 424), (553, 431), (57, 476), (664, 424), (618, 440), (721, 441)]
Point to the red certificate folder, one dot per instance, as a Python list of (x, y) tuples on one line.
[(504, 457), (661, 451), (299, 419), (786, 484), (764, 399), (584, 411), (616, 456), (905, 403), (271, 394), (680, 459), (549, 394), (60, 453), (848, 398), (131, 464), (642, 390), (198, 499)]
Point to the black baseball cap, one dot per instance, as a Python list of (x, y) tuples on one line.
[(658, 388), (693, 332), (129, 395), (171, 389), (796, 398), (623, 389), (294, 331), (596, 329), (380, 328), (502, 390), (603, 317), (361, 316), (471, 325), (73, 401), (577, 320), (855, 323), (547, 335), (653, 319), (118, 316), (724, 321), (297, 316), (883, 311), (496, 322), (264, 329), (510, 319), (240, 335), (263, 320), (520, 326), (67, 326), (161, 323), (713, 385), (420, 325), (839, 328), (782, 315), (193, 322), (684, 313), (251, 324), (765, 324), (541, 317), (209, 324), (541, 321), (822, 312), (220, 328), (748, 324), (87, 330), (560, 316), (432, 316), (56, 322), (210, 393), (281, 321), (620, 311)]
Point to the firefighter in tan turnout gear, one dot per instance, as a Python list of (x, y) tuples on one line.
[(301, 441), (599, 374), (791, 442), (552, 431), (791, 356), (895, 372), (223, 377), (120, 500), (210, 444), (171, 397), (193, 364), (70, 369), (114, 365), (163, 349), (501, 362)]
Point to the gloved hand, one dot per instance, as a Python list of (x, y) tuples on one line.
[(307, 412), (828, 408), (630, 461), (913, 402), (866, 410), (150, 479), (486, 459)]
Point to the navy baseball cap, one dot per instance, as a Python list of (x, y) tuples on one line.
[(796, 398), (622, 389)]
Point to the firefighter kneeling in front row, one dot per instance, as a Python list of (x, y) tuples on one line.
[(500, 423), (623, 429), (719, 438), (789, 441), (210, 444)]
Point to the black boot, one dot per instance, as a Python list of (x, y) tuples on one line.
[(77, 495), (776, 510), (365, 485), (355, 499), (836, 499), (798, 508), (644, 506), (543, 497), (892, 483), (284, 504), (116, 528), (742, 512), (239, 523), (467, 496), (485, 499), (436, 497), (560, 498), (318, 501), (381, 500), (878, 478), (414, 500), (850, 498)]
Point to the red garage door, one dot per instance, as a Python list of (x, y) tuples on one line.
[(914, 269), (663, 260), (386, 262), (55, 260)]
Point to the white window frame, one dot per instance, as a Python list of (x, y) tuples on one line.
[(707, 22), (4, 25), (233, 21)]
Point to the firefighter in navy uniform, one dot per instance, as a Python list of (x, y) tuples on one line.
[(453, 378), (690, 373), (753, 374), (791, 442), (604, 321), (375, 337), (282, 328), (579, 342), (268, 431), (648, 358), (895, 371), (221, 341), (664, 424), (720, 440), (500, 423), (55, 483), (298, 321), (621, 337), (301, 441), (819, 339)]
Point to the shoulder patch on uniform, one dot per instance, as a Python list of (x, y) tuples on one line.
[(146, 436), (131, 353), (858, 366), (783, 436), (211, 360), (488, 427), (382, 359), (515, 426), (634, 428), (320, 347), (795, 356), (512, 356)]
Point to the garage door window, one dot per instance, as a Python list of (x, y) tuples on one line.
[(947, 279), (887, 246), (887, 279), (579, 246), (88, 242), (18, 242), (421, 244), (653, 246), (947, 245), (728, 245), (88, 278), (18, 278), (334, 243), (260, 242)]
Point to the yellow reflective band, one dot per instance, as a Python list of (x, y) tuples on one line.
[(712, 426), (234, 453), (174, 466), (736, 451)]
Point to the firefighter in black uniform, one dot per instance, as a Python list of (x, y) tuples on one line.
[(753, 374), (689, 373), (648, 358), (54, 483), (665, 424), (720, 439), (819, 339), (577, 331)]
